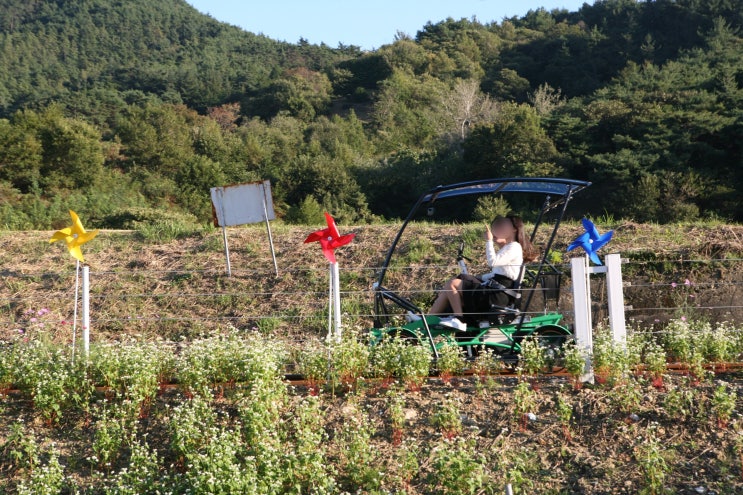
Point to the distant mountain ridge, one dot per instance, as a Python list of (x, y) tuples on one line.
[(50, 50)]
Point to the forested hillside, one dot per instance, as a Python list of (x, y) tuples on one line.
[(130, 111)]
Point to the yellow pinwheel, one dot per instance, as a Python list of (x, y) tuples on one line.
[(74, 236)]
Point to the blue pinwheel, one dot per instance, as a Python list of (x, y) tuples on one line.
[(591, 241)]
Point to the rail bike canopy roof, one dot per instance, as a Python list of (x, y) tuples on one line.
[(561, 189)]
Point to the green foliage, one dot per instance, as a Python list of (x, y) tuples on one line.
[(308, 212), (490, 207), (451, 361), (723, 404), (447, 418), (457, 467), (395, 357), (360, 460), (46, 479), (575, 360), (153, 106), (651, 454)]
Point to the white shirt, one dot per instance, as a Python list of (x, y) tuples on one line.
[(507, 261)]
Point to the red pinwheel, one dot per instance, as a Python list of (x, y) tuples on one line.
[(329, 238)]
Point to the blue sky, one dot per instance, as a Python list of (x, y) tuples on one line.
[(368, 24)]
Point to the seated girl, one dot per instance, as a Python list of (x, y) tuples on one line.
[(514, 248)]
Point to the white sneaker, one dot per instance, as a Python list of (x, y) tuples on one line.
[(453, 322), (411, 317)]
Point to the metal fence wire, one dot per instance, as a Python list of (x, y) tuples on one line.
[(168, 303)]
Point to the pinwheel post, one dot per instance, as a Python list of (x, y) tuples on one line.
[(74, 237), (330, 240), (591, 241)]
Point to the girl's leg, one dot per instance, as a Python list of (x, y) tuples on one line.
[(449, 297)]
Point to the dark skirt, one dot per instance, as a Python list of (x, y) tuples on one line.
[(476, 300)]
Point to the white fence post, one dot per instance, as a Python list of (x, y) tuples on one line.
[(582, 305), (86, 311), (615, 295)]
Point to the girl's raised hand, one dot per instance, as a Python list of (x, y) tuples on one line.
[(488, 233)]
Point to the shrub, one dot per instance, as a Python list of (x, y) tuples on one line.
[(46, 479), (359, 458), (451, 361), (457, 468), (447, 418), (142, 474), (308, 470), (308, 212), (723, 405), (46, 373), (394, 357), (350, 358)]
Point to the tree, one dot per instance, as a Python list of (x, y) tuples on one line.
[(466, 106), (514, 144)]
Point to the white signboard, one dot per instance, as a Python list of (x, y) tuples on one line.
[(239, 204)]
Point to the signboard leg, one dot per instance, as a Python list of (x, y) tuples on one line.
[(268, 228), (226, 251)]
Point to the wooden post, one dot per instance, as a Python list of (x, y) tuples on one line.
[(615, 294), (582, 306)]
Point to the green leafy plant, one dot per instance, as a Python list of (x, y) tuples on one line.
[(575, 363), (21, 447), (46, 373), (46, 478), (308, 470), (457, 467), (450, 362), (723, 405), (524, 402), (396, 414), (564, 410), (651, 455), (611, 360), (110, 430), (679, 403), (359, 458), (532, 357), (142, 475), (314, 361), (350, 359), (679, 341), (395, 357), (132, 372), (485, 365), (655, 361), (447, 417)]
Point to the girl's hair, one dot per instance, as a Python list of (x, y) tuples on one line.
[(530, 252)]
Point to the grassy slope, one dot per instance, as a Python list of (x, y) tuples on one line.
[(151, 289)]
